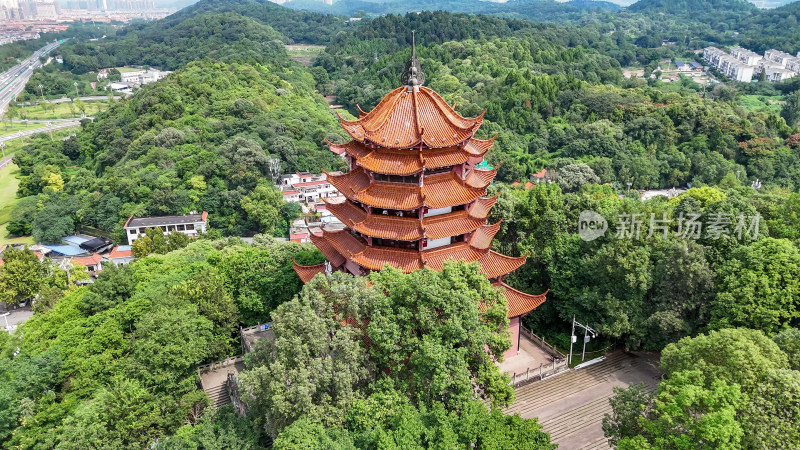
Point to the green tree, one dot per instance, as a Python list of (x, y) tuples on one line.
[(297, 375), (305, 434), (758, 287), (627, 406), (689, 411), (734, 355), (218, 428), (21, 276), (263, 205), (789, 341), (571, 177), (437, 335), (791, 109), (55, 220)]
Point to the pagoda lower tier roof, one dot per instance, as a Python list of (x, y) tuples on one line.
[(483, 206), (408, 228), (349, 247), (411, 160), (408, 117), (306, 273), (438, 191), (482, 238), (520, 303)]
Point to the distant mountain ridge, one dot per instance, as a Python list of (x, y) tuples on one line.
[(689, 6)]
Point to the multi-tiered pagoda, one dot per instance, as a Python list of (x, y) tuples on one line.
[(414, 197)]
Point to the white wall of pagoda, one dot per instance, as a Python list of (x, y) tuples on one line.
[(438, 211)]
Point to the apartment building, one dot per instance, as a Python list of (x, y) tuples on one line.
[(305, 187)]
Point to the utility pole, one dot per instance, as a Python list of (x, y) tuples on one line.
[(77, 95), (41, 91)]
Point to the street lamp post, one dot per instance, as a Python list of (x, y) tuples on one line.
[(588, 333)]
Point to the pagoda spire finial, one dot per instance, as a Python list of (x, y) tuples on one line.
[(412, 75)]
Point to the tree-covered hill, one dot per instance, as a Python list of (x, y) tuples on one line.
[(692, 6), (773, 28), (553, 105), (171, 45), (298, 26), (241, 30), (201, 139)]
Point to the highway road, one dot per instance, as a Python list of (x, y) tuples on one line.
[(12, 82)]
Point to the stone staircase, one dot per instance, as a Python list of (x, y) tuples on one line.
[(570, 406), (219, 395)]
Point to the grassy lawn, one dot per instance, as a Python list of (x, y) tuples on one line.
[(65, 110), (760, 102), (8, 198), (300, 50), (302, 53), (6, 129)]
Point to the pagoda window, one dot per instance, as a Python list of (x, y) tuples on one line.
[(409, 245), (407, 179), (437, 170), (459, 238), (394, 212)]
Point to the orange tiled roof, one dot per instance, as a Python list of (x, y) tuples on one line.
[(479, 147), (407, 228), (350, 183), (435, 258), (346, 211), (407, 117), (392, 162), (391, 227), (483, 206), (520, 303), (409, 161), (451, 224), (117, 253), (92, 260), (494, 264), (481, 178), (482, 238), (306, 273), (443, 190), (336, 259), (439, 191)]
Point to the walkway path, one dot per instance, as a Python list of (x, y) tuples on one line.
[(60, 125), (570, 406)]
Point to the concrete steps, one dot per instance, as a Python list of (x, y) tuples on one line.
[(218, 395), (570, 406), (551, 390)]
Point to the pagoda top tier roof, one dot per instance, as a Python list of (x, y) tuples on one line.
[(412, 116)]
